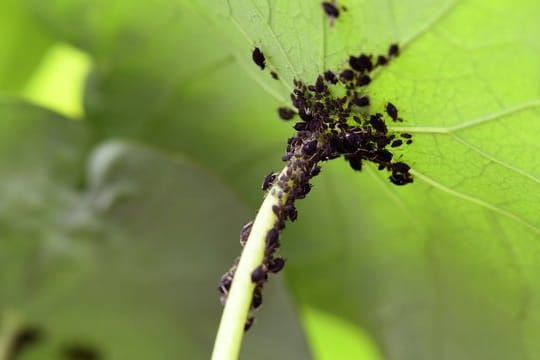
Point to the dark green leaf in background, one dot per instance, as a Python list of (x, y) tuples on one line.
[(114, 261)]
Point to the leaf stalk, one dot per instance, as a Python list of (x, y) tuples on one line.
[(231, 328)]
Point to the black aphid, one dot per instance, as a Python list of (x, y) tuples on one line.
[(310, 148), (392, 111), (320, 86), (286, 113), (346, 75), (225, 283), (258, 58), (363, 80), (257, 299), (361, 63), (268, 181), (396, 143), (400, 174), (315, 171), (303, 191), (382, 60), (409, 142), (393, 50), (383, 156), (301, 126), (361, 101), (357, 63), (244, 233), (276, 265), (378, 123), (330, 9), (274, 75), (406, 135), (351, 142), (305, 114), (330, 77), (259, 274), (280, 224), (355, 162), (399, 179), (272, 237), (382, 141), (401, 167), (290, 212)]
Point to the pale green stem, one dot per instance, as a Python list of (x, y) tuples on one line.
[(231, 328), (10, 324)]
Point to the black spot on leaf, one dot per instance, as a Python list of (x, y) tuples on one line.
[(330, 9), (258, 58)]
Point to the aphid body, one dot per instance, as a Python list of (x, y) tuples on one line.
[(268, 181), (330, 9), (258, 58)]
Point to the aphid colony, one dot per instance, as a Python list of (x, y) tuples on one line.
[(333, 126), (329, 127)]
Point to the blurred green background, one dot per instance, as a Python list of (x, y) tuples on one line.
[(134, 136)]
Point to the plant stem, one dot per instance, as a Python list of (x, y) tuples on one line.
[(231, 328)]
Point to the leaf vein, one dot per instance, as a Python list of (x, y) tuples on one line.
[(495, 160), (441, 15), (393, 197), (468, 124), (280, 46), (475, 200), (251, 41), (276, 95)]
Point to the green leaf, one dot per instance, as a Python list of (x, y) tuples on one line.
[(443, 268), (140, 51), (348, 341), (448, 259), (22, 44), (58, 81), (38, 150), (118, 265)]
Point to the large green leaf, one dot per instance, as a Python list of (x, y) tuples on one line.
[(126, 264), (38, 150), (443, 268)]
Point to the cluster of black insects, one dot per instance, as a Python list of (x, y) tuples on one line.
[(270, 263), (330, 126), (333, 126)]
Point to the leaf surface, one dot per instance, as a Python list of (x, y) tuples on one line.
[(449, 259)]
